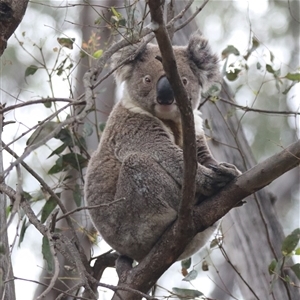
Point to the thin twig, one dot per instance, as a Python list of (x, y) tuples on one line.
[(247, 108), (40, 101), (198, 10)]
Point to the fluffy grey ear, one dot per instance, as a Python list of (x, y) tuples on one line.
[(203, 62), (123, 72)]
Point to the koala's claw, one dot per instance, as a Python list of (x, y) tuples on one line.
[(213, 167)]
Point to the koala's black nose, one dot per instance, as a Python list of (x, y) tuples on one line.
[(164, 91)]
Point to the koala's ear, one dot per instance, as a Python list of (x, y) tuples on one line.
[(123, 72), (202, 61)]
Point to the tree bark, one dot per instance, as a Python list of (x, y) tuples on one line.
[(11, 15)]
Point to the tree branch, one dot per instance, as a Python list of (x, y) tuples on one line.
[(261, 175), (187, 118)]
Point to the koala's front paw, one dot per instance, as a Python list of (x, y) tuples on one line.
[(217, 176), (226, 169)]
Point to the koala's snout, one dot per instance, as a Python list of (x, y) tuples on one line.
[(165, 95)]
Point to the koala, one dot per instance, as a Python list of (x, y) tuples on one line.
[(137, 171)]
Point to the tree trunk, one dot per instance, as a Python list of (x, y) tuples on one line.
[(11, 15)]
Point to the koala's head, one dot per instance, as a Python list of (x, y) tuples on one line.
[(146, 85)]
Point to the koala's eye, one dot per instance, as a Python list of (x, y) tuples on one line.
[(184, 81), (147, 79)]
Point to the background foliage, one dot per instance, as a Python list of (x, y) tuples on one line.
[(258, 44)]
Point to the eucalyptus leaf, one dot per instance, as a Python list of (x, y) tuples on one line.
[(186, 263), (191, 276), (293, 76), (66, 42), (230, 49), (42, 132), (296, 269), (31, 70), (186, 292), (290, 242), (77, 195), (47, 255), (48, 208)]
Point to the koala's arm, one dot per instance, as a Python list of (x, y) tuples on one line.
[(158, 146), (204, 156)]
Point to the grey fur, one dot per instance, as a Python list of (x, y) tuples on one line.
[(136, 172)]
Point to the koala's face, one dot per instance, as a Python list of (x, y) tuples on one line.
[(147, 86)]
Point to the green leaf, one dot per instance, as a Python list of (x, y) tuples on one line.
[(206, 124), (296, 269), (98, 53), (258, 66), (297, 251), (58, 167), (115, 13), (65, 136), (58, 150), (31, 70), (230, 50), (290, 242), (48, 104), (270, 69), (25, 225), (77, 195), (61, 66), (187, 293), (255, 45), (289, 88), (122, 22), (117, 18), (75, 160), (275, 271), (102, 126), (66, 42), (87, 129), (48, 208), (191, 276), (293, 76), (41, 132), (186, 263), (233, 75), (272, 266), (8, 210), (47, 255)]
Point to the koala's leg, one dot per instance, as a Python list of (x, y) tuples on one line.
[(149, 206)]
